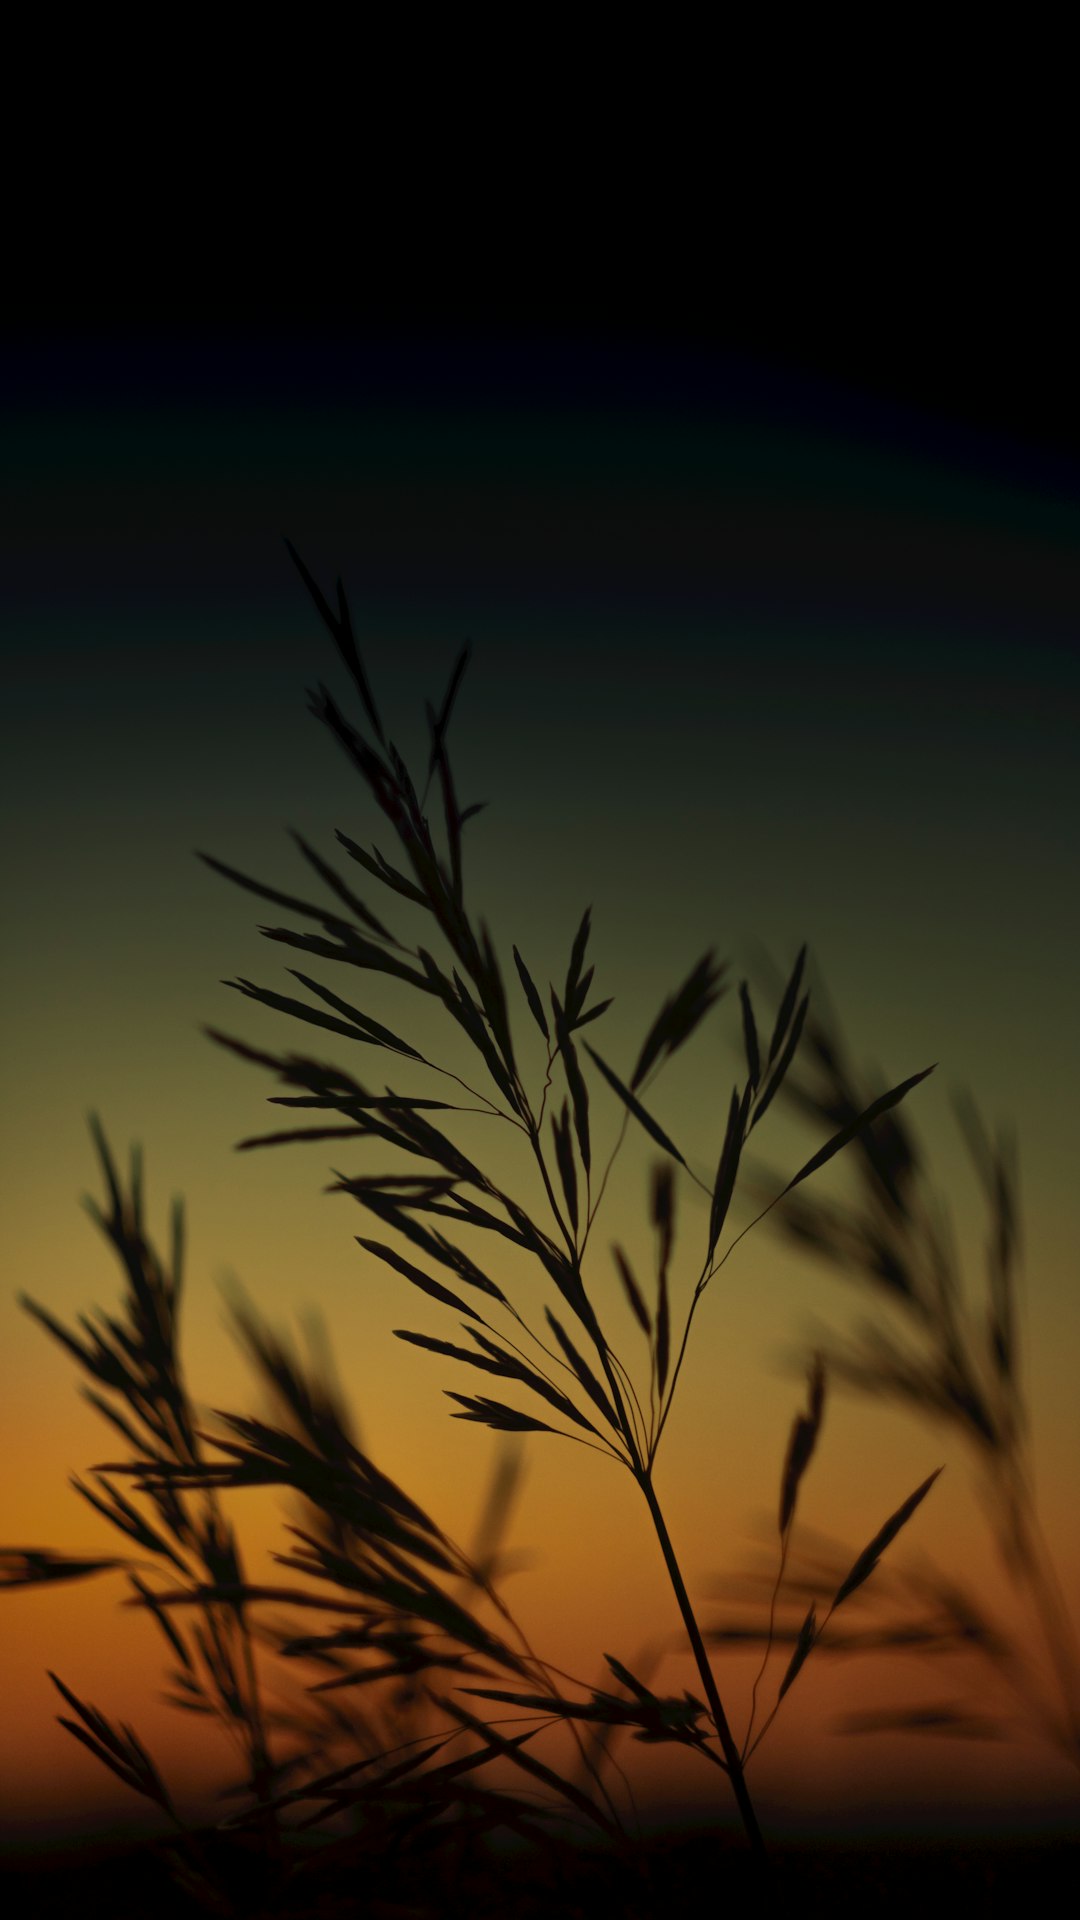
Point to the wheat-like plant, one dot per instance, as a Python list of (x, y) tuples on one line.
[(379, 1605), (951, 1358), (408, 1606), (578, 1385)]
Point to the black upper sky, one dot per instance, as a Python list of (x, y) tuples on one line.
[(979, 363)]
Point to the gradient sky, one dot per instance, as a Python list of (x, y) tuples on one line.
[(760, 655)]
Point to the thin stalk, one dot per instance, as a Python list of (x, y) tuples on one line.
[(492, 1107), (594, 1206), (732, 1757), (708, 1274), (677, 1369), (634, 1404), (760, 1675)]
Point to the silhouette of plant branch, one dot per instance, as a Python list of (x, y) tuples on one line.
[(951, 1359), (135, 1381), (375, 1600), (405, 1601), (586, 1392)]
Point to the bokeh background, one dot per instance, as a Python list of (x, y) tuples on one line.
[(768, 646)]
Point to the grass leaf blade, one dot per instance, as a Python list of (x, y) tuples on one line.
[(803, 1647), (529, 989), (869, 1557), (646, 1120), (633, 1292), (856, 1126)]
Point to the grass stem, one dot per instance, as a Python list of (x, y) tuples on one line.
[(731, 1754)]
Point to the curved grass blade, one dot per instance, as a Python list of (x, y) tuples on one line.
[(787, 1004), (493, 1413), (295, 1134), (679, 1016), (151, 1603), (577, 955), (594, 1013), (354, 950), (563, 1272), (370, 1029), (126, 1519), (646, 1120), (783, 1063), (803, 1647), (564, 1788), (36, 1566), (579, 1093), (383, 782), (459, 1003), (728, 1168), (581, 994), (869, 1557), (381, 869), (750, 1035), (433, 1288), (484, 1361), (435, 1245), (299, 1010), (663, 1333), (528, 987), (345, 894), (324, 915), (564, 1157), (856, 1126), (583, 1371), (802, 1442), (340, 626), (663, 1213), (633, 1292), (122, 1752), (60, 1334), (515, 1369), (456, 677)]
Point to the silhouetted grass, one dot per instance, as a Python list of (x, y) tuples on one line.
[(947, 1354), (406, 1605), (586, 1390), (380, 1604)]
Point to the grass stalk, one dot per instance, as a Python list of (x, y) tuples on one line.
[(403, 1593), (732, 1759)]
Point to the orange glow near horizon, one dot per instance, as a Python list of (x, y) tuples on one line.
[(590, 1580)]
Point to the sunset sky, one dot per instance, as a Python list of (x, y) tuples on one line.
[(762, 653)]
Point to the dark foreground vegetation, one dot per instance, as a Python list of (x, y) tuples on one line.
[(365, 1691), (671, 1874)]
